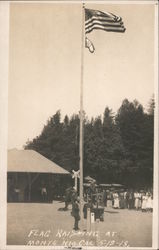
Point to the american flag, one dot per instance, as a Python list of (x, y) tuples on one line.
[(95, 19)]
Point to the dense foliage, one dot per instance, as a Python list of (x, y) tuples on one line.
[(117, 148)]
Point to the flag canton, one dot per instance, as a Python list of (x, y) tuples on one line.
[(96, 13)]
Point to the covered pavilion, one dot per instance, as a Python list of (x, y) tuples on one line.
[(30, 172)]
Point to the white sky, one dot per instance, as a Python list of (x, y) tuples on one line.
[(45, 59)]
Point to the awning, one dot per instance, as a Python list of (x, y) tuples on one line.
[(89, 179)]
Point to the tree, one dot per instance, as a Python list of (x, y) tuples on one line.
[(102, 148), (151, 106), (116, 148), (136, 134)]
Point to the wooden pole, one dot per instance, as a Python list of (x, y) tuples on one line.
[(81, 112), (29, 184)]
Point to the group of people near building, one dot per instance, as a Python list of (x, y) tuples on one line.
[(139, 200)]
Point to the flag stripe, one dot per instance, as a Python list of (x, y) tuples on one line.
[(103, 24), (101, 19), (120, 29), (114, 27)]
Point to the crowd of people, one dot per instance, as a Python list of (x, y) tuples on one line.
[(133, 200), (127, 199), (117, 199)]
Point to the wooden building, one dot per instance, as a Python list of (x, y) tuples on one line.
[(33, 178)]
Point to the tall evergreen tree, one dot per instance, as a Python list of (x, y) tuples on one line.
[(116, 148), (133, 125)]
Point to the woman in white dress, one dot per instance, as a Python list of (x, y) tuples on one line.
[(116, 200), (140, 197), (149, 202), (144, 202), (136, 196)]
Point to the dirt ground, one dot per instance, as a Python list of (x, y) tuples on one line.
[(45, 225)]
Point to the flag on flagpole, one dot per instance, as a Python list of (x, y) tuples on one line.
[(98, 20), (95, 19)]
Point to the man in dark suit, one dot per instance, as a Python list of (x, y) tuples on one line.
[(75, 213)]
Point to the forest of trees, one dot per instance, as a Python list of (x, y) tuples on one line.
[(117, 148)]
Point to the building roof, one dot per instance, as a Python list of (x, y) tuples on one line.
[(31, 161)]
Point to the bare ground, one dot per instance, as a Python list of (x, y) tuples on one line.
[(44, 225)]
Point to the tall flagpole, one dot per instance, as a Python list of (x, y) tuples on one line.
[(81, 112)]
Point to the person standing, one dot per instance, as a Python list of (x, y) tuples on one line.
[(16, 193), (93, 191), (43, 192), (112, 198), (116, 200), (144, 201), (75, 213), (131, 200), (68, 195), (151, 210), (87, 205), (140, 197), (148, 202), (136, 197), (104, 198), (121, 200), (127, 198), (74, 195)]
